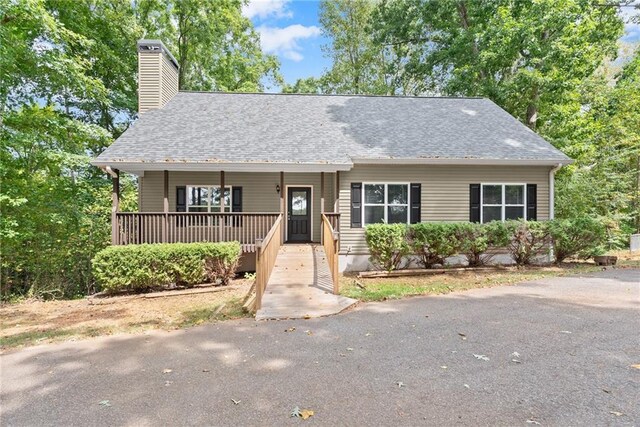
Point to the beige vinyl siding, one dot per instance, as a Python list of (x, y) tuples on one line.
[(169, 80), (258, 190), (445, 191), (149, 78), (157, 80)]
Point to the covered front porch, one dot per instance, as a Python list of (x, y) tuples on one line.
[(180, 206), (262, 211)]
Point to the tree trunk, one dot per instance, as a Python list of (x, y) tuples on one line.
[(532, 108)]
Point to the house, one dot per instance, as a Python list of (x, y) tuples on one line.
[(318, 164)]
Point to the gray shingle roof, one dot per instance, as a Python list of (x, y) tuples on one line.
[(321, 129)]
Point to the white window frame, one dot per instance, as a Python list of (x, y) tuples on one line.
[(504, 204), (209, 205), (386, 205)]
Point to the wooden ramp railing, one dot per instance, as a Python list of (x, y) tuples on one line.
[(266, 254), (189, 227), (331, 244)]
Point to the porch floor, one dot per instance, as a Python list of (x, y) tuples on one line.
[(300, 286)]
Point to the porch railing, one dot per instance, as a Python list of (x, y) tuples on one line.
[(266, 254), (334, 220), (331, 243), (189, 227)]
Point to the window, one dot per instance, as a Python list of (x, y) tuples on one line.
[(501, 202), (207, 199), (388, 203)]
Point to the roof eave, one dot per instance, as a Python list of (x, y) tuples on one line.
[(469, 161), (141, 167)]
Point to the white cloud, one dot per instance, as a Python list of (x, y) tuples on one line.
[(284, 41), (263, 9)]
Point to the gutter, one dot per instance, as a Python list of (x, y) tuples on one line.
[(552, 188)]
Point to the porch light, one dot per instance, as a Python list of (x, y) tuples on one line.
[(278, 188)]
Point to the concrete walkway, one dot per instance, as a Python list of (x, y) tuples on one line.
[(300, 286)]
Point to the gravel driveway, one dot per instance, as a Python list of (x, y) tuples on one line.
[(556, 352)]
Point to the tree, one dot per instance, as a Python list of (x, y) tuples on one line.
[(526, 56), (360, 63), (217, 47)]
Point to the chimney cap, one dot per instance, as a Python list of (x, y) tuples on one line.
[(148, 45)]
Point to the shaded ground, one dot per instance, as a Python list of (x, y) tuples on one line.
[(35, 322), (576, 341)]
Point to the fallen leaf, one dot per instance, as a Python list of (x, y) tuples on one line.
[(306, 413), (606, 391), (515, 361), (295, 412), (636, 366), (616, 413), (206, 370), (167, 371), (515, 354), (168, 383), (104, 403), (443, 367), (481, 357), (290, 329), (466, 386), (400, 384), (533, 422), (463, 336), (367, 334), (306, 316), (308, 332), (349, 349), (235, 402)]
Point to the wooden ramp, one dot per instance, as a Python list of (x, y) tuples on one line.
[(300, 286)]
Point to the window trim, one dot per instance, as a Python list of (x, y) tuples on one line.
[(504, 204), (385, 204), (209, 206)]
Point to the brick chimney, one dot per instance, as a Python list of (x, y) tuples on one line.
[(157, 75)]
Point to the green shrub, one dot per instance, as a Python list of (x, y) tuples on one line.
[(475, 239), (142, 267), (434, 242), (580, 237), (387, 245), (528, 239)]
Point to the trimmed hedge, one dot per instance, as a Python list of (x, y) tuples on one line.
[(475, 239), (434, 242), (579, 237), (388, 245), (527, 240), (143, 267)]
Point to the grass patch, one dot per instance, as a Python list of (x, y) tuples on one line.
[(232, 309), (380, 289)]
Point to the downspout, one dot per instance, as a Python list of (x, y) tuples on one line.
[(552, 187)]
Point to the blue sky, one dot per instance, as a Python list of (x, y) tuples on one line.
[(291, 31)]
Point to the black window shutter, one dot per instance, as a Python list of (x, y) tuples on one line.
[(416, 201), (532, 202), (181, 199), (236, 200), (356, 205), (474, 202), (236, 205)]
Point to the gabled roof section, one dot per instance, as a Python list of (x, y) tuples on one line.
[(214, 130)]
